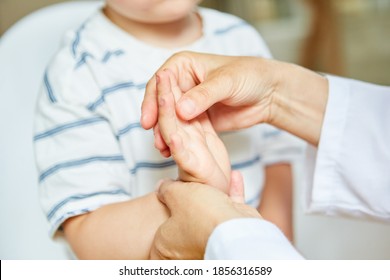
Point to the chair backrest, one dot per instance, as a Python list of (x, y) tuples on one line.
[(25, 50)]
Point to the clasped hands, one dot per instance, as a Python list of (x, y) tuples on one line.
[(205, 184)]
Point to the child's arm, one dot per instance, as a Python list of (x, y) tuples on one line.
[(276, 200), (122, 230), (198, 151)]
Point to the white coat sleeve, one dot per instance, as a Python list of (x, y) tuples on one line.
[(249, 239), (351, 168)]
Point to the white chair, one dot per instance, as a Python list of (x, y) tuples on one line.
[(25, 50)]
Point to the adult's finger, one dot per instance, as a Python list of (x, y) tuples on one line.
[(185, 68), (155, 254), (166, 190), (162, 244), (200, 98), (149, 106)]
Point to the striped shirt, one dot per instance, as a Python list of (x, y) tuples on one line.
[(90, 147)]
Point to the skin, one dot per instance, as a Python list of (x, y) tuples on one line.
[(194, 145), (162, 23), (276, 202), (248, 91), (186, 198), (110, 232), (187, 142)]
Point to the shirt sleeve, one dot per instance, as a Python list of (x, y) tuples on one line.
[(249, 239), (349, 173), (80, 163)]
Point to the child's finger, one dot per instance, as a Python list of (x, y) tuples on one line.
[(177, 93), (236, 190), (159, 142), (166, 106)]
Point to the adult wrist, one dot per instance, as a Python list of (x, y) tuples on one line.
[(299, 101)]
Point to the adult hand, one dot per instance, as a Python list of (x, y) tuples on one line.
[(241, 85), (239, 92), (196, 209)]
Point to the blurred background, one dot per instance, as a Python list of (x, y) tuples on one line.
[(344, 37)]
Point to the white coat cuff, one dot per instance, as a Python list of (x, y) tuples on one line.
[(249, 239)]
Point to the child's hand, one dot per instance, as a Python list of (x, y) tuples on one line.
[(194, 145)]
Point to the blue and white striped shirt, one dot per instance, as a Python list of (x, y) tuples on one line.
[(89, 145)]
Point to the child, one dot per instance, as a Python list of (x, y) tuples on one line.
[(97, 166)]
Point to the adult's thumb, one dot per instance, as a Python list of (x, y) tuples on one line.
[(200, 98), (164, 191)]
